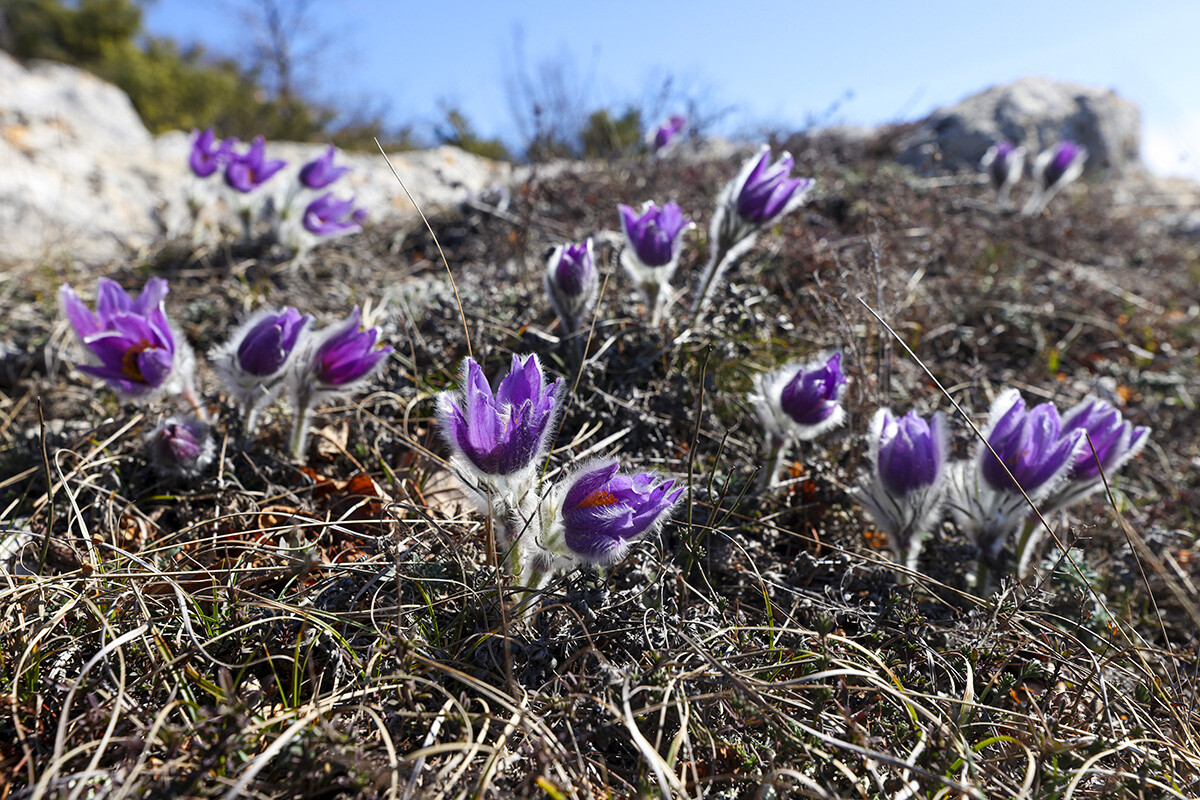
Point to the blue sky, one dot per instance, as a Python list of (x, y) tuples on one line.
[(777, 63)]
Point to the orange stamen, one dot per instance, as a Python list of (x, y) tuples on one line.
[(601, 497), (129, 363)]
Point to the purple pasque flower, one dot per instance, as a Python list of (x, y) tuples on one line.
[(131, 338), (603, 511), (320, 172), (247, 171), (766, 192), (181, 447), (801, 400), (505, 433), (654, 234), (906, 485), (1111, 441), (255, 360), (328, 216), (268, 343), (1054, 168), (207, 154), (666, 134), (572, 281), (1035, 448), (345, 354), (1031, 443), (1004, 162)]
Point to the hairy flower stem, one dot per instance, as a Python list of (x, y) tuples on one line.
[(776, 453), (300, 426), (716, 265), (189, 394)]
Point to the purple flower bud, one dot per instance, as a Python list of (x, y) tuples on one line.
[(1113, 438), (1032, 444), (906, 486), (131, 339), (267, 345), (345, 354), (813, 395), (208, 155), (910, 453), (181, 446), (603, 511), (320, 172), (1004, 163), (666, 133), (1062, 158), (655, 233), (801, 400), (504, 433), (250, 170), (572, 281), (766, 193), (327, 216)]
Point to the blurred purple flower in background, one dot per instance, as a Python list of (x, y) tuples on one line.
[(181, 447), (1054, 168), (132, 339), (320, 172), (505, 433), (667, 133), (905, 487), (1005, 163), (328, 216), (248, 171), (603, 511), (207, 154)]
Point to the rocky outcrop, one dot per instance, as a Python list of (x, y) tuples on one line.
[(1034, 112), (82, 180)]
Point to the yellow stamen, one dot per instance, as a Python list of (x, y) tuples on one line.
[(601, 497), (129, 362)]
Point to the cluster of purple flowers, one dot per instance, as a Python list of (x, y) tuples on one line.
[(1054, 168), (1026, 458), (500, 442), (138, 353), (305, 214)]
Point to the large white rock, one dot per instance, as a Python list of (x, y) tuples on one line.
[(1035, 112), (82, 180)]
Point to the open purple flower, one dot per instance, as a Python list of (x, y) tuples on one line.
[(603, 511), (1111, 440), (1004, 163), (181, 446), (572, 282), (208, 155), (505, 433), (328, 216), (137, 351), (666, 134), (247, 171), (1055, 167), (654, 234), (906, 485), (320, 172)]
